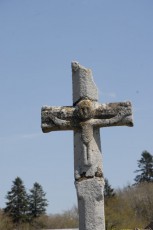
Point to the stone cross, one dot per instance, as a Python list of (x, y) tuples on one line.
[(85, 118)]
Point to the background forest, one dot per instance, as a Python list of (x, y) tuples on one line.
[(126, 208)]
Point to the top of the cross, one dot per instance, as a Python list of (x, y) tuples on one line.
[(83, 83)]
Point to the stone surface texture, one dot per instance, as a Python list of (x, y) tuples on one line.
[(85, 118), (83, 84)]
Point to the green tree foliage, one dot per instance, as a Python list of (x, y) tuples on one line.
[(108, 190), (37, 201), (145, 165), (17, 205), (108, 199), (22, 208)]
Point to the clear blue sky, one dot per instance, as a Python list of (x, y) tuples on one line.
[(38, 41)]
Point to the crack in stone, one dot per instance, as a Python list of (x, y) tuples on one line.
[(83, 176)]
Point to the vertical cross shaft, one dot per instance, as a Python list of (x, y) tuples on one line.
[(85, 118), (89, 179)]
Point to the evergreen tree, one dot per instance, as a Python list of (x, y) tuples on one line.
[(108, 191), (17, 205), (37, 201), (145, 165)]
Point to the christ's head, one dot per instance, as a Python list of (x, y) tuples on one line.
[(85, 109)]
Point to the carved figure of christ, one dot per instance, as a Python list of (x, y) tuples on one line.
[(85, 118)]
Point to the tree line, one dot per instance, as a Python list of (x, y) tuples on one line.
[(23, 207), (132, 206), (126, 208)]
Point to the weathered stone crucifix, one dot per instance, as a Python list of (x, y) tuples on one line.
[(85, 118)]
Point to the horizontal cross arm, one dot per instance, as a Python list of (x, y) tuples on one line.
[(114, 114), (56, 118)]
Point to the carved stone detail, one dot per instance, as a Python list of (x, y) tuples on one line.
[(86, 118)]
